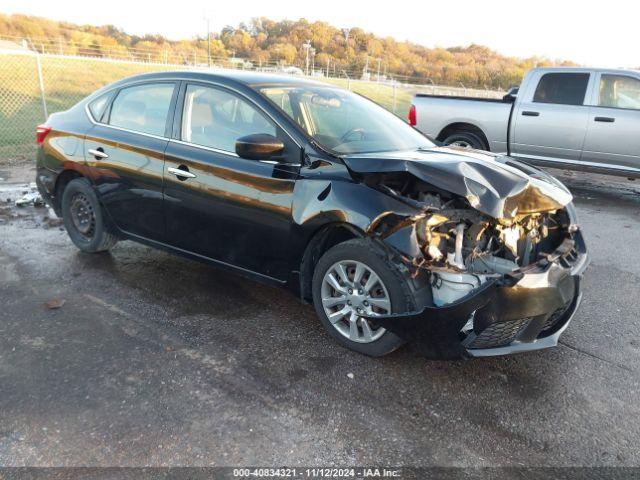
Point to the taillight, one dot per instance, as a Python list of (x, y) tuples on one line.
[(412, 116), (41, 132)]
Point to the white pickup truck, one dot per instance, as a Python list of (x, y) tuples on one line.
[(575, 118)]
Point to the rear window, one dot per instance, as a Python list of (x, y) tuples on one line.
[(619, 91), (143, 108), (562, 88)]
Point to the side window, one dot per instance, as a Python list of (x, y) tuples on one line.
[(215, 118), (143, 108), (97, 106), (619, 91), (562, 88)]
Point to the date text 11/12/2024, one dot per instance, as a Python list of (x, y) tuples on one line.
[(317, 472)]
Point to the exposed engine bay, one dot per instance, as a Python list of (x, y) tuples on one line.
[(462, 247), (491, 244)]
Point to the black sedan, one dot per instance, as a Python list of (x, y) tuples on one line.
[(319, 190)]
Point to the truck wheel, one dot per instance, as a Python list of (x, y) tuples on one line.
[(355, 277), (465, 140), (83, 218)]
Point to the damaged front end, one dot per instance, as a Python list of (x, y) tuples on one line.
[(498, 245)]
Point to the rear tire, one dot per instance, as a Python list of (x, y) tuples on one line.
[(393, 287), (83, 218), (465, 139)]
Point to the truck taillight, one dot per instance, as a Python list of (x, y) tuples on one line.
[(412, 116), (41, 133)]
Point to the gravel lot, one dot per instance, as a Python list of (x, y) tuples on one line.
[(157, 360)]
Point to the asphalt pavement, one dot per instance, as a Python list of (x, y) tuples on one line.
[(150, 359)]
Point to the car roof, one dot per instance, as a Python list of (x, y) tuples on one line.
[(226, 76), (587, 69)]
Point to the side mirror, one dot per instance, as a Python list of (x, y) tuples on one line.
[(259, 146), (511, 95)]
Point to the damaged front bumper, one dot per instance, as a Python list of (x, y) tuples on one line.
[(502, 316)]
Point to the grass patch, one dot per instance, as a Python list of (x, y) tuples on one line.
[(68, 80)]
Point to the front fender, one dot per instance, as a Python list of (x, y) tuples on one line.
[(320, 202)]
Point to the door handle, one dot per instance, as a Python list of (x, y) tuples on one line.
[(98, 153), (605, 119), (528, 113), (182, 173)]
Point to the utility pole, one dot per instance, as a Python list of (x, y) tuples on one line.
[(346, 32), (206, 17), (307, 46), (378, 77), (208, 44), (313, 60)]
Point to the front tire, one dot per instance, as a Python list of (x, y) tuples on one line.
[(83, 218), (357, 277)]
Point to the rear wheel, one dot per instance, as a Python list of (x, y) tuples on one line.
[(83, 218), (465, 140), (354, 279)]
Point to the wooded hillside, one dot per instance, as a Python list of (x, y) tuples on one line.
[(266, 42)]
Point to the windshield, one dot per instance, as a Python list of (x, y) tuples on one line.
[(344, 122)]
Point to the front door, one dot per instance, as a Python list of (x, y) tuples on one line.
[(221, 206), (614, 123), (551, 123), (125, 158)]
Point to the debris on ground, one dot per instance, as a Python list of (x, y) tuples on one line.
[(51, 220), (55, 303), (30, 196)]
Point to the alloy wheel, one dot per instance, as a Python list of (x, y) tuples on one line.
[(351, 289)]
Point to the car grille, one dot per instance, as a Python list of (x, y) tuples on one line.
[(570, 259), (500, 334), (555, 316)]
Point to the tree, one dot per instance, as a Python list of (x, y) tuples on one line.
[(284, 52), (264, 40)]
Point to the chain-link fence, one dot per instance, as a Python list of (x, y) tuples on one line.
[(32, 86)]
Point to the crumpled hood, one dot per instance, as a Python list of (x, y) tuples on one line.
[(496, 185)]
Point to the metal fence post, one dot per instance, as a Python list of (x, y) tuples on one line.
[(394, 96), (41, 82)]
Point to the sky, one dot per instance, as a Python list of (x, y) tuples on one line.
[(602, 35)]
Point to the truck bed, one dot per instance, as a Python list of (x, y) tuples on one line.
[(460, 97), (437, 114)]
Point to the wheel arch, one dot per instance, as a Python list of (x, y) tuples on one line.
[(463, 127), (320, 242), (62, 181)]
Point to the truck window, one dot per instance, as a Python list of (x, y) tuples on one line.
[(619, 91), (562, 88)]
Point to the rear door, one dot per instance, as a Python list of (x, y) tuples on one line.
[(221, 206), (550, 120), (614, 122), (125, 154)]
